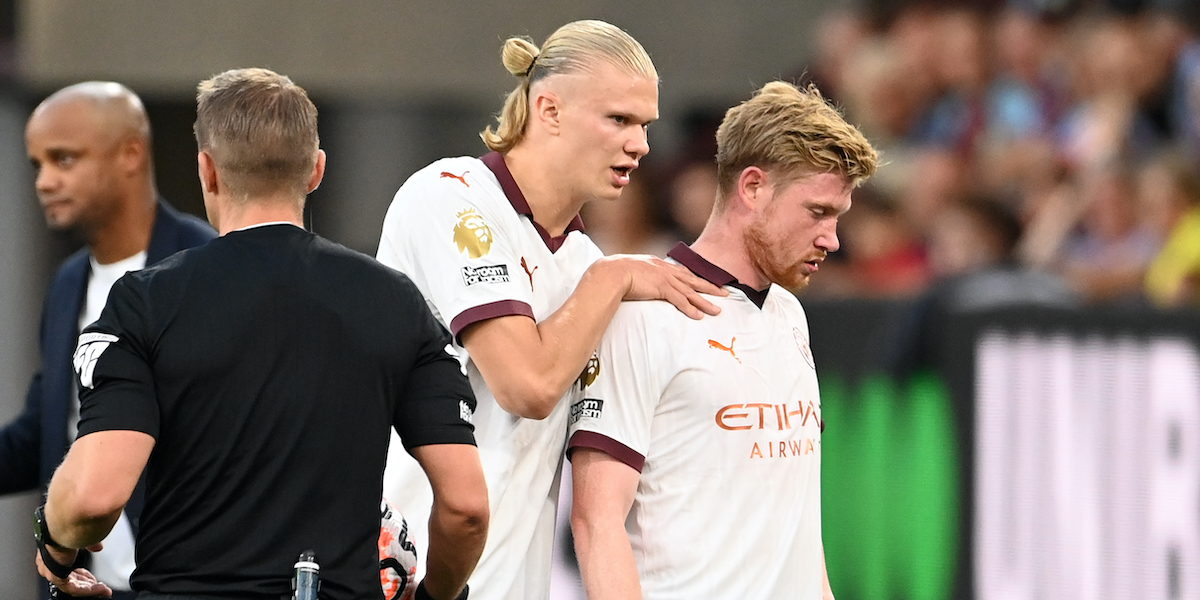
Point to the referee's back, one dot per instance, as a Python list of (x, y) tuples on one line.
[(278, 360), (253, 380)]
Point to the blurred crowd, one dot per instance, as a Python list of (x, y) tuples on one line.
[(1056, 140)]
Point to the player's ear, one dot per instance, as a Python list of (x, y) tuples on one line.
[(753, 187), (318, 172), (546, 109), (208, 172)]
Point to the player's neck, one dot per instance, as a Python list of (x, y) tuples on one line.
[(256, 211), (126, 232), (722, 244), (551, 203)]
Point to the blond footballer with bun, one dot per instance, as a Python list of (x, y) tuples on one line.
[(696, 452), (497, 247)]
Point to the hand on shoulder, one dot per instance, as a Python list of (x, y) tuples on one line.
[(652, 278)]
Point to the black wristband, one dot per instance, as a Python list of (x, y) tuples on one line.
[(423, 594), (59, 570), (42, 535)]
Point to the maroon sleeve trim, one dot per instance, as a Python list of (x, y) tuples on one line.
[(607, 445), (483, 312)]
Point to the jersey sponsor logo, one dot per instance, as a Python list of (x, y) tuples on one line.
[(802, 344), (590, 372), (465, 413), (589, 408), (785, 448), (714, 344), (91, 346), (528, 271), (472, 234), (460, 178), (485, 274), (760, 415)]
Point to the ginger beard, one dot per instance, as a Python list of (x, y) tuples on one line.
[(767, 240)]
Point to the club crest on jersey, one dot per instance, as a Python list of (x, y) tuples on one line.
[(485, 274), (589, 408), (802, 345), (472, 234), (590, 372), (91, 346)]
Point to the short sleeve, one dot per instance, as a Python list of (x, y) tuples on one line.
[(445, 229), (113, 365), (618, 406), (437, 405)]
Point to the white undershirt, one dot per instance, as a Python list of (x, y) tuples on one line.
[(100, 282), (115, 563)]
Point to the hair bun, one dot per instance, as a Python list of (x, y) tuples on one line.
[(518, 55)]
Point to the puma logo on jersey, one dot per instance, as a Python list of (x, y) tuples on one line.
[(528, 271), (91, 346), (460, 178), (719, 346)]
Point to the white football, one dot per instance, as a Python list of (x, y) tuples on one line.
[(397, 555)]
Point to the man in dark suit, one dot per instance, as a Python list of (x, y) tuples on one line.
[(90, 146)]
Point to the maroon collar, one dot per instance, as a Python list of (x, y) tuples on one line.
[(715, 275), (495, 162)]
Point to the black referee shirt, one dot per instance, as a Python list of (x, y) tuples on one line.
[(268, 365)]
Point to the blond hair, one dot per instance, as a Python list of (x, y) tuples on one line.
[(791, 133), (260, 130), (574, 47)]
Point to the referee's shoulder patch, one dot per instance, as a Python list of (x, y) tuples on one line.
[(91, 346)]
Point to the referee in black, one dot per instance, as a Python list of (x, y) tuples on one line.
[(255, 380)]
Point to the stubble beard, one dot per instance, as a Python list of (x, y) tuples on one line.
[(760, 249)]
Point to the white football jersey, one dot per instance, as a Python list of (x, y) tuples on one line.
[(722, 417), (463, 232)]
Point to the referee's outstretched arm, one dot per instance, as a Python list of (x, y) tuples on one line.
[(459, 519)]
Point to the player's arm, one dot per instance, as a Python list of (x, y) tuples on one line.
[(827, 591), (459, 519), (604, 489), (529, 366)]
